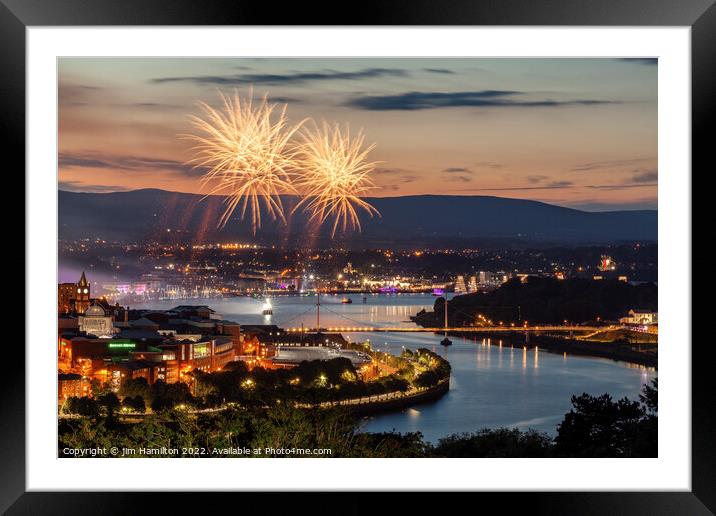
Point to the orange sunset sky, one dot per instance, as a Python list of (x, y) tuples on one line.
[(580, 133)]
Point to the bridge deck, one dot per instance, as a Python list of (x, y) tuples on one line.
[(413, 329)]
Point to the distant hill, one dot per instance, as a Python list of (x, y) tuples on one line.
[(545, 301), (410, 220)]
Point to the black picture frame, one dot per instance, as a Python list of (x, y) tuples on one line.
[(700, 15)]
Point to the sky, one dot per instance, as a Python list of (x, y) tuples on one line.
[(580, 133)]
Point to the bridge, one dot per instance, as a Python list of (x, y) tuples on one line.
[(462, 329), (443, 329)]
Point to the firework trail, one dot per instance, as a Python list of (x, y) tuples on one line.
[(333, 175), (246, 149)]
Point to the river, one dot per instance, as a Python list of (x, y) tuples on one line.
[(492, 385)]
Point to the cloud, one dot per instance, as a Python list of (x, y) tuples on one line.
[(386, 171), (560, 184), (645, 176), (416, 100), (439, 70), (128, 163), (536, 179), (146, 105), (459, 179), (617, 163), (488, 164), (621, 186), (458, 174), (70, 94), (649, 61), (599, 205), (287, 78), (404, 179), (78, 186), (554, 185)]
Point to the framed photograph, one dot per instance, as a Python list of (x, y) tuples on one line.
[(433, 249)]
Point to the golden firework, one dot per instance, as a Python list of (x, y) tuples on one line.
[(247, 153), (334, 174)]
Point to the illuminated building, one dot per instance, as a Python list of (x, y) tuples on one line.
[(489, 280), (460, 285), (82, 299), (73, 297), (640, 317), (66, 297), (181, 357), (472, 284), (294, 356), (606, 264), (152, 344), (96, 322), (69, 385)]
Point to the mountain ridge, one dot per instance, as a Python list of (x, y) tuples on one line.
[(418, 219)]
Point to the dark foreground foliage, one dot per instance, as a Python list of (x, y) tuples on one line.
[(596, 426)]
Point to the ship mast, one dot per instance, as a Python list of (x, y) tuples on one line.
[(446, 314), (318, 311)]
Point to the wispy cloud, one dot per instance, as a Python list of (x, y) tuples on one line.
[(458, 174), (459, 179), (78, 186), (416, 100), (536, 179), (387, 171), (403, 179), (649, 61), (645, 176), (650, 203), (488, 164), (72, 94), (554, 185), (286, 78), (617, 163), (127, 163), (621, 186), (439, 70)]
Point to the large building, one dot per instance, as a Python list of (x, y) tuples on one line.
[(96, 322), (73, 297), (460, 287), (71, 385), (640, 317), (152, 344)]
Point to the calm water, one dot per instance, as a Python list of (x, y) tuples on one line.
[(491, 385)]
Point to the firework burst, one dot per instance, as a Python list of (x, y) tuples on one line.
[(334, 174), (247, 153)]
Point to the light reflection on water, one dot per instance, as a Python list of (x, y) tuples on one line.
[(493, 383)]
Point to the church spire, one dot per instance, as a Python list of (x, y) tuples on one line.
[(83, 280)]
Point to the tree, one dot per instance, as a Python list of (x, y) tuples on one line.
[(169, 395), (650, 397), (134, 404), (597, 426), (83, 406), (110, 403), (500, 442), (98, 388), (132, 387)]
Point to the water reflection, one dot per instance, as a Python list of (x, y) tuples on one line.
[(483, 393)]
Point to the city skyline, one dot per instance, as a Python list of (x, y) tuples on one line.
[(579, 133)]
